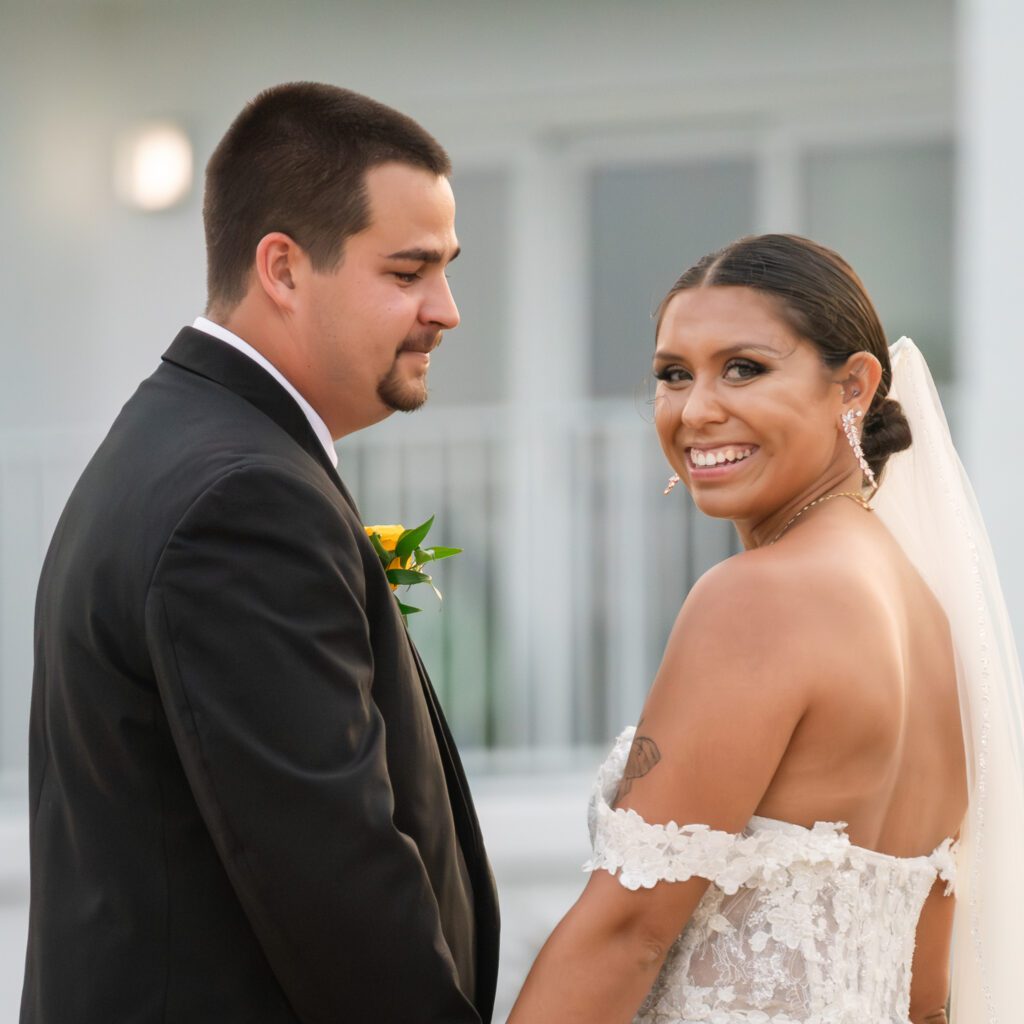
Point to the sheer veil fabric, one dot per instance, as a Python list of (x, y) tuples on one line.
[(927, 503)]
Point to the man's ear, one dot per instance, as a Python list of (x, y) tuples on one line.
[(278, 260), (859, 378)]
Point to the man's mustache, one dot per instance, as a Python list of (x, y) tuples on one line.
[(421, 344)]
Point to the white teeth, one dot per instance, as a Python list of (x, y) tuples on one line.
[(699, 458)]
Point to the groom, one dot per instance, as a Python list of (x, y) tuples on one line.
[(246, 804)]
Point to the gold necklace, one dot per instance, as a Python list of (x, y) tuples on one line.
[(852, 495)]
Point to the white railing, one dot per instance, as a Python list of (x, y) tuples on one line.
[(37, 472), (574, 564)]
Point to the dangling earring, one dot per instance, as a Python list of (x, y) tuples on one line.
[(672, 481), (850, 418)]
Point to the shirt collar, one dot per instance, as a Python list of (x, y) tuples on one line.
[(319, 427)]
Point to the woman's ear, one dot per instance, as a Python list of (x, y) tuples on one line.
[(859, 378)]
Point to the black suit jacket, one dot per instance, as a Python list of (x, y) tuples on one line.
[(245, 802)]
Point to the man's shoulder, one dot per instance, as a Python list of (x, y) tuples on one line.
[(180, 417), (194, 401), (180, 435)]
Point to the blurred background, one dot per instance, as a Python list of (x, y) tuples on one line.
[(600, 148)]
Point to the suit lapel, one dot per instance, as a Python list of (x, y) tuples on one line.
[(468, 829), (200, 353), (467, 825)]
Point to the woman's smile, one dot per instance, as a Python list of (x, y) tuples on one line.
[(711, 461)]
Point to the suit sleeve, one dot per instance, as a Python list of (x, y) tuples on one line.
[(257, 628)]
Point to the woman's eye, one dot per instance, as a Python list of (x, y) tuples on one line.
[(672, 375), (742, 369)]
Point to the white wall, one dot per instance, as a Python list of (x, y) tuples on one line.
[(93, 293), (991, 268)]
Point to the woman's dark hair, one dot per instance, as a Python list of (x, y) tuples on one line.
[(824, 302), (295, 160)]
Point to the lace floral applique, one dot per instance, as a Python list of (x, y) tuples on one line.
[(944, 862), (797, 927)]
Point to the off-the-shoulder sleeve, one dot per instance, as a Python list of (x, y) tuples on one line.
[(642, 854), (944, 862)]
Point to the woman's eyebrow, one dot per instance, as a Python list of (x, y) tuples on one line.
[(661, 355)]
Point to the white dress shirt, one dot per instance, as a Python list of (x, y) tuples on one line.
[(318, 425)]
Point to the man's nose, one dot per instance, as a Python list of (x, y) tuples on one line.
[(440, 306)]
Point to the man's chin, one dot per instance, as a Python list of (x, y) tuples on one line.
[(402, 396)]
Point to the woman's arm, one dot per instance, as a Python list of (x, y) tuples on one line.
[(732, 687), (929, 981), (605, 954)]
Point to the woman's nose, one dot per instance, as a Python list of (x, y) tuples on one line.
[(701, 405)]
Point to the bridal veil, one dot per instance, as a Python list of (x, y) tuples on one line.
[(927, 503)]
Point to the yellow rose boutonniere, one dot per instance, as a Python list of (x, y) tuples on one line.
[(388, 537), (403, 556)]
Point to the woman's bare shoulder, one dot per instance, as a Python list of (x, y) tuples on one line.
[(735, 682), (784, 610), (772, 586)]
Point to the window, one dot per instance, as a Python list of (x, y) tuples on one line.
[(648, 224), (470, 366), (888, 209)]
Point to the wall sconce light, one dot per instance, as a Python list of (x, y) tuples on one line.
[(153, 167)]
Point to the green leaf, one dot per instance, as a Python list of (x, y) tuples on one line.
[(385, 556), (407, 609), (406, 577), (412, 539), (422, 555), (436, 554)]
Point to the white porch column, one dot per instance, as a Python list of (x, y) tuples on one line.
[(548, 370), (990, 344)]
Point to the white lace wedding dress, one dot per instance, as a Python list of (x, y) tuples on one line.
[(798, 926)]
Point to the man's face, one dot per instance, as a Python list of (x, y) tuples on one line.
[(367, 327)]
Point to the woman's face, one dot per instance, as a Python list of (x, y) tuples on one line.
[(747, 413)]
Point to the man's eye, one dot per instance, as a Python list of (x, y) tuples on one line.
[(406, 278)]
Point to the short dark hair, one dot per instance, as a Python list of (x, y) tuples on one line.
[(824, 302), (295, 160)]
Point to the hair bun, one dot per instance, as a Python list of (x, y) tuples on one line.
[(886, 431)]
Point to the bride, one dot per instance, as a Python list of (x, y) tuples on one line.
[(831, 748)]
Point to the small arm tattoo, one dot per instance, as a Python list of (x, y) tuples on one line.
[(643, 756)]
